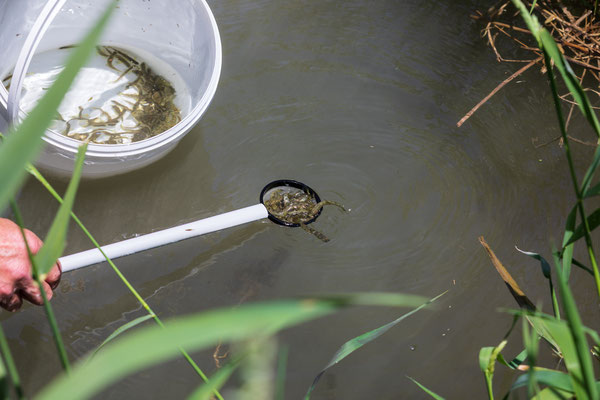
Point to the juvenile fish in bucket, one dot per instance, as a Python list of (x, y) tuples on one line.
[(135, 103)]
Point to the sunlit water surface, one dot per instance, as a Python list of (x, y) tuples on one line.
[(358, 99)]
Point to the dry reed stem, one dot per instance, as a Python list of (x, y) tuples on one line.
[(578, 38)]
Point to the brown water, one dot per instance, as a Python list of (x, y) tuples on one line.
[(358, 99)]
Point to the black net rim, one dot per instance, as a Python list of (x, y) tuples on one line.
[(294, 184)]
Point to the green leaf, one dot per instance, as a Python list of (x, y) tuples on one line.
[(551, 393), (54, 244), (592, 191), (23, 144), (148, 346), (567, 254), (428, 391), (593, 221), (589, 174), (579, 96), (4, 385), (281, 370), (515, 362), (487, 363), (488, 356), (576, 330), (546, 271), (10, 365), (216, 382), (531, 341), (555, 379), (122, 329), (582, 266), (561, 334), (354, 344), (530, 20)]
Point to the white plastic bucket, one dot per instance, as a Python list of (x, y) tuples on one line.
[(182, 34)]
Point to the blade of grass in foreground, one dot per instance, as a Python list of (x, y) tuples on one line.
[(567, 253), (531, 340), (4, 385), (52, 249), (560, 332), (428, 391), (150, 345), (576, 330), (354, 344), (487, 363), (122, 329), (23, 143), (216, 382), (555, 379), (10, 365), (579, 232), (281, 368), (54, 243)]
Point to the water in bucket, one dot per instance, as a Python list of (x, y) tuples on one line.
[(119, 97), (133, 116)]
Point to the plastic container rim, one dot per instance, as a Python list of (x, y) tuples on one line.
[(163, 139)]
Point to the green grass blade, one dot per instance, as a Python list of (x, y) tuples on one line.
[(532, 6), (579, 232), (551, 393), (54, 243), (10, 365), (487, 363), (531, 341), (122, 329), (567, 254), (60, 347), (551, 378), (485, 359), (547, 272), (354, 344), (23, 143), (589, 174), (560, 332), (576, 330), (151, 345), (530, 20), (593, 191), (216, 382), (579, 96), (428, 391), (516, 362), (281, 372), (33, 171), (4, 384), (581, 265)]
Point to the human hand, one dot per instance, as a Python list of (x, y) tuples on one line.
[(16, 281)]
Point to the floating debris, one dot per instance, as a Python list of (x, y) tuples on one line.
[(298, 207), (574, 27)]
